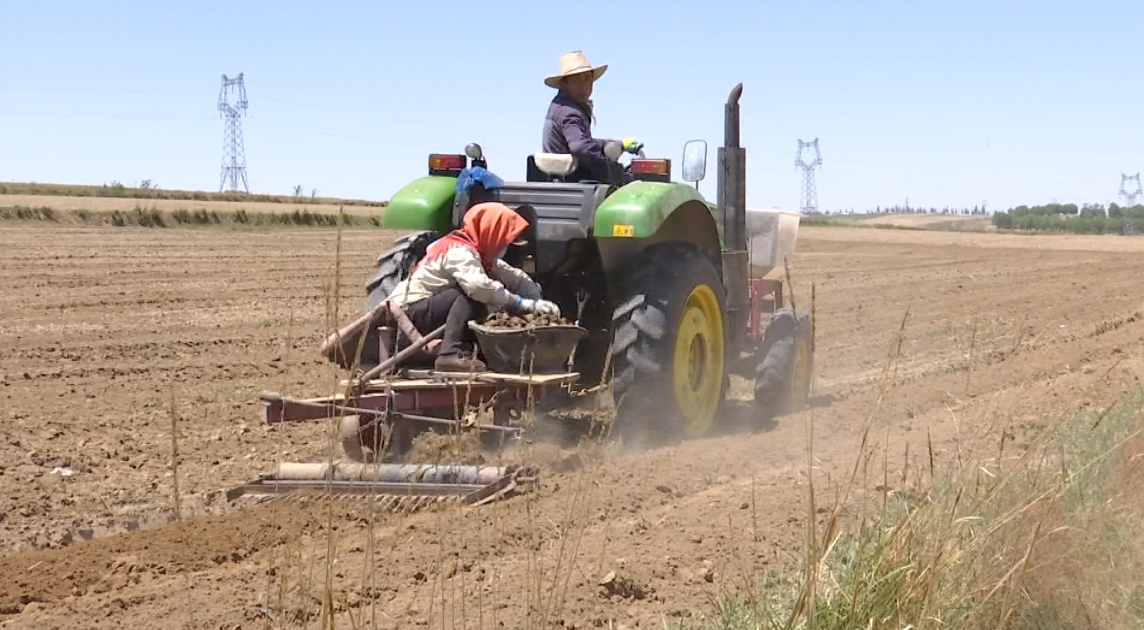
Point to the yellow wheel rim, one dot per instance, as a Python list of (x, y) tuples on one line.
[(698, 365)]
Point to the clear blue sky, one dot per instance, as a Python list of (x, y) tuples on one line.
[(946, 103)]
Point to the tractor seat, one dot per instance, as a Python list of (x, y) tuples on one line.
[(555, 164)]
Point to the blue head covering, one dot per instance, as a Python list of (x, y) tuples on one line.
[(477, 175)]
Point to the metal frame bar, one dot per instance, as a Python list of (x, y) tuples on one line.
[(472, 494), (761, 288), (277, 408), (280, 486)]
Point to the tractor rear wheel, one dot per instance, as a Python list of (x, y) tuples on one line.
[(394, 265), (669, 351), (782, 380)]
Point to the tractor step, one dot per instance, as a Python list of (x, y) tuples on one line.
[(395, 487)]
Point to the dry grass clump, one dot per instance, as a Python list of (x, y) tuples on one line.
[(1051, 540)]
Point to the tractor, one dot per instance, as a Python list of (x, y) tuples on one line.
[(670, 293), (673, 290)]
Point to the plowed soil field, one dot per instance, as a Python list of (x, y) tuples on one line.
[(109, 337)]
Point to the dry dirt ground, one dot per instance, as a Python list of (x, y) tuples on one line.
[(108, 204), (104, 332)]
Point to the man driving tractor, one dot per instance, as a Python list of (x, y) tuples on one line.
[(567, 125), (463, 278)]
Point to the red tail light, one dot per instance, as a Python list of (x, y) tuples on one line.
[(651, 167), (446, 163)]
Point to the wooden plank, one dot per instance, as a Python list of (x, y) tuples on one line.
[(498, 378), (535, 379)]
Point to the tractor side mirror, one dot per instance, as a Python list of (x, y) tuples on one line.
[(695, 161), (613, 150)]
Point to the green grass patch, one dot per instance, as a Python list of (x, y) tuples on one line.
[(154, 218), (1050, 539)]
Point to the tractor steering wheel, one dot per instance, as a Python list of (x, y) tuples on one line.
[(623, 172)]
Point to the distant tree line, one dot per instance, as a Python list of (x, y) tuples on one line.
[(975, 210), (1091, 218)]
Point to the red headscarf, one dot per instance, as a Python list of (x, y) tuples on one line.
[(487, 229)]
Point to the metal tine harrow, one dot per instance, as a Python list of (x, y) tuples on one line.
[(397, 488)]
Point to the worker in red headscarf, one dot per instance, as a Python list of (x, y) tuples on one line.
[(463, 277)]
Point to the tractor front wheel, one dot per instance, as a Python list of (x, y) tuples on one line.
[(669, 352)]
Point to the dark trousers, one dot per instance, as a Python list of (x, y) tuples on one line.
[(452, 308)]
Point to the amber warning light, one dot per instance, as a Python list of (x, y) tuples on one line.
[(446, 163)]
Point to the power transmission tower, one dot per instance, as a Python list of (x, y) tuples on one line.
[(233, 153), (809, 193), (1130, 197)]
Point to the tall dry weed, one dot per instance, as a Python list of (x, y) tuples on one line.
[(1050, 539)]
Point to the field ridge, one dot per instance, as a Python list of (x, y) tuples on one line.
[(118, 190)]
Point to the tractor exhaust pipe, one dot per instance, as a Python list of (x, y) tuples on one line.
[(732, 177), (732, 202)]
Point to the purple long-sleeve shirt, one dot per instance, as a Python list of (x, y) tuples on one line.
[(567, 130)]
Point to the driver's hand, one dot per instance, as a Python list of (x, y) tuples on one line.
[(631, 145)]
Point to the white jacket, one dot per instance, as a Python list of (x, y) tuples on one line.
[(461, 267)]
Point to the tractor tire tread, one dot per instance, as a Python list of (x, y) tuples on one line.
[(775, 372), (640, 324), (393, 265)]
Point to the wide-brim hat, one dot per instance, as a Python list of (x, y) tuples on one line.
[(574, 63)]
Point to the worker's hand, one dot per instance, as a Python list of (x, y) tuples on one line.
[(633, 146), (521, 305), (544, 307)]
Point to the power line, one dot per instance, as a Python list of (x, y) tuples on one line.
[(809, 203), (103, 115), (74, 90), (233, 151)]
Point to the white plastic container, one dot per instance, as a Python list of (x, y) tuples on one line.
[(771, 237)]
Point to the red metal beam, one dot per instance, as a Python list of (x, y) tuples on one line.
[(760, 289)]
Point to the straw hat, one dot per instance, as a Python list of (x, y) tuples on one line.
[(574, 63)]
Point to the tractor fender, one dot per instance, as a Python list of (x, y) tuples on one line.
[(638, 209), (423, 204), (644, 213)]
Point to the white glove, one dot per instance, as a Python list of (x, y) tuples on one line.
[(520, 305), (544, 307), (526, 305)]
